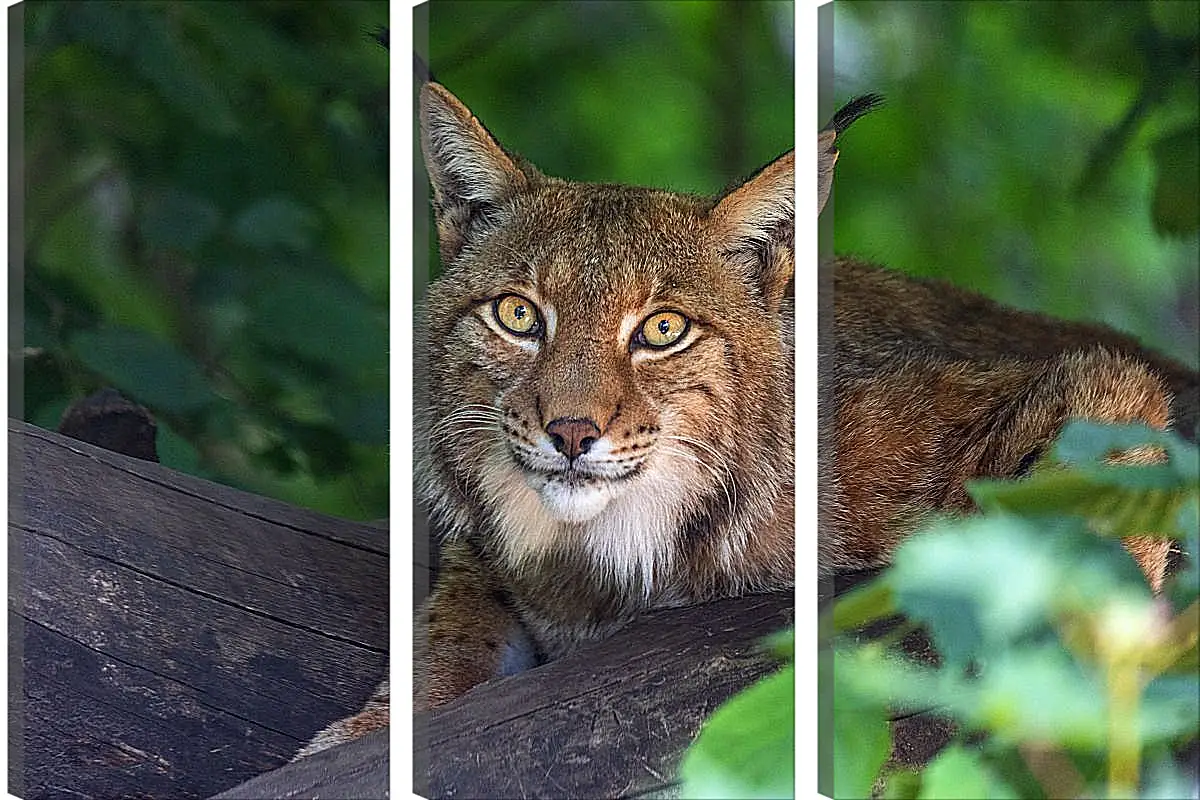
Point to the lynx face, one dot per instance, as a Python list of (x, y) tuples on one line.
[(585, 408), (602, 358), (597, 376)]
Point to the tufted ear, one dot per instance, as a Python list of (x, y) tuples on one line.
[(827, 153), (756, 225), (470, 172), (826, 157)]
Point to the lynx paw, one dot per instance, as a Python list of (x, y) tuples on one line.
[(373, 716)]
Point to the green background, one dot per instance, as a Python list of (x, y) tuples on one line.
[(206, 199), (982, 167), (687, 96), (206, 230)]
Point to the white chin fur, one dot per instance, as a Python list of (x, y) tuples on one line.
[(628, 528), (568, 502)]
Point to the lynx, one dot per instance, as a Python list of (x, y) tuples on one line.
[(610, 415), (610, 381), (610, 420)]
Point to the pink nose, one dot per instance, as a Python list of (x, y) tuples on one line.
[(573, 436)]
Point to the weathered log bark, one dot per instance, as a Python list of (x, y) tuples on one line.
[(357, 770), (171, 637), (608, 721)]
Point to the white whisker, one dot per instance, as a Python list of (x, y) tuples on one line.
[(717, 477), (720, 469)]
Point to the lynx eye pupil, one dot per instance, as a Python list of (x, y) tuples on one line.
[(662, 329), (517, 315)]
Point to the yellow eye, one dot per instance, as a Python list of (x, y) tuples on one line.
[(663, 328), (517, 314)]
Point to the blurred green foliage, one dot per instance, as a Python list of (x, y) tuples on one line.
[(1066, 678), (1043, 153), (206, 230), (689, 96)]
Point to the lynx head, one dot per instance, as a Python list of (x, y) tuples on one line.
[(609, 366)]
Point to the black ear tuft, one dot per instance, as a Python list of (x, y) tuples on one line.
[(856, 108), (827, 152)]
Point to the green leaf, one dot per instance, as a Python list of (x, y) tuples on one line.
[(361, 416), (746, 749), (176, 452), (1117, 501), (1038, 694), (861, 739), (81, 253), (1184, 586), (166, 60), (864, 604), (1188, 662), (981, 583), (874, 677), (50, 414), (75, 75), (782, 645), (276, 221), (358, 229), (1170, 708), (1084, 442), (37, 333), (110, 27), (144, 367), (173, 218), (957, 773), (971, 579), (291, 317), (1165, 780), (902, 785)]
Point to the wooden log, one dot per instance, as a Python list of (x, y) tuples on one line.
[(608, 721), (357, 770), (174, 637)]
